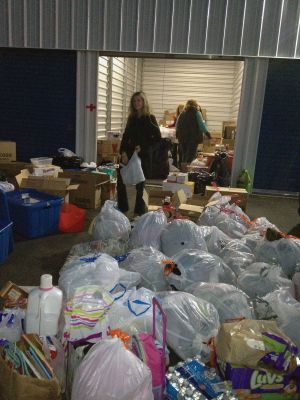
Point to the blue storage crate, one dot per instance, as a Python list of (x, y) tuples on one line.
[(4, 213), (34, 213), (6, 240)]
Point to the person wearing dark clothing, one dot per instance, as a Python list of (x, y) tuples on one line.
[(190, 128), (141, 132)]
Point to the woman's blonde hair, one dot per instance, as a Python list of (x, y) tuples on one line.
[(145, 110), (193, 104), (179, 109)]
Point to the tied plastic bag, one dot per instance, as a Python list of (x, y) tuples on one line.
[(147, 230), (237, 256), (132, 173), (215, 239), (229, 301), (119, 374), (113, 247), (66, 152), (110, 223), (11, 325)]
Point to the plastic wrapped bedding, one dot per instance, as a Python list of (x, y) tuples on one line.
[(260, 278), (260, 225), (120, 374), (190, 322), (215, 240), (181, 234), (237, 256), (101, 270), (252, 240), (113, 247), (229, 301), (149, 263), (198, 266), (287, 310), (147, 230), (111, 223), (285, 252)]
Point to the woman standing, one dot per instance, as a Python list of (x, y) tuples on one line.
[(141, 132), (189, 130)]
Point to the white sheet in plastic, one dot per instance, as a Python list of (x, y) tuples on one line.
[(113, 247), (229, 301), (261, 278), (252, 240), (190, 322), (287, 310), (199, 266), (101, 270), (111, 223), (147, 230), (261, 225), (148, 262), (285, 252), (181, 234), (109, 372), (237, 256), (215, 240)]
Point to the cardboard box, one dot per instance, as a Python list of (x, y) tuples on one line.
[(229, 131), (108, 191), (7, 151), (154, 198), (88, 194), (209, 146), (179, 200), (229, 143), (13, 168), (188, 187), (241, 194), (198, 200), (105, 146), (46, 184)]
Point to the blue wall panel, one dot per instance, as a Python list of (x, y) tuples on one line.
[(278, 157), (38, 100)]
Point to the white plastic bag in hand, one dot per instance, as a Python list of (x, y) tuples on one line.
[(132, 173)]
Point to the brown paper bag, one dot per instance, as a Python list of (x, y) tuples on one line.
[(241, 342), (14, 386)]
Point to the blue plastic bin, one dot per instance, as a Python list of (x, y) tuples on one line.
[(4, 213), (6, 241), (34, 213)]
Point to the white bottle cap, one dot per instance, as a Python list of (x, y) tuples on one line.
[(46, 281)]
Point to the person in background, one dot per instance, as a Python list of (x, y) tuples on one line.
[(190, 128), (179, 110), (140, 133), (176, 153)]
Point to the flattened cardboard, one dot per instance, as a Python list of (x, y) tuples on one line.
[(7, 151)]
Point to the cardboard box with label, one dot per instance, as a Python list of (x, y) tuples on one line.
[(47, 184), (241, 195), (106, 146), (7, 151), (88, 194)]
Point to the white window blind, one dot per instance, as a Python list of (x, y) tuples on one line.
[(236, 95), (102, 96)]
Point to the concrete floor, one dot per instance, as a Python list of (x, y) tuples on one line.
[(32, 258)]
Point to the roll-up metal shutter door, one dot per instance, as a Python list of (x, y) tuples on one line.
[(102, 96)]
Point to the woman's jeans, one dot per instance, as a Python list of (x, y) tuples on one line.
[(123, 199)]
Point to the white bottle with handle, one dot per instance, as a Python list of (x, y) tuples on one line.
[(44, 308)]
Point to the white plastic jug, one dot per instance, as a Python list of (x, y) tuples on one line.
[(44, 308)]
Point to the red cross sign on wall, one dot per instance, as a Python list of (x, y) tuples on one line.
[(91, 107)]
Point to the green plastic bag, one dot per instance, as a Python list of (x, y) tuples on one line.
[(244, 181)]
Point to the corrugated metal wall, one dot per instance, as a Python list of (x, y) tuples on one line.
[(236, 95), (215, 84), (262, 28)]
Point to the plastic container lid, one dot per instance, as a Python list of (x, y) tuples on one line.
[(46, 282)]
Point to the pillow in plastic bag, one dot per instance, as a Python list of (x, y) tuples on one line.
[(261, 225), (147, 230), (287, 310), (237, 256), (260, 278), (285, 252), (216, 240), (229, 301), (111, 223), (119, 374), (101, 270), (181, 234), (198, 266), (190, 322), (112, 246), (149, 263), (252, 240)]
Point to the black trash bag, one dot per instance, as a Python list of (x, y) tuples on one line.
[(155, 162), (3, 177), (64, 162), (220, 167), (201, 179)]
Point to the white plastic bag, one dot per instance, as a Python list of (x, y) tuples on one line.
[(237, 256), (181, 234), (149, 263), (111, 372), (229, 301), (215, 240), (11, 325), (198, 266), (147, 230), (66, 152), (111, 223), (190, 323), (132, 173)]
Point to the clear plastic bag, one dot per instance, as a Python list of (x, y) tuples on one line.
[(147, 230), (181, 234), (119, 374), (229, 301), (191, 322), (111, 223), (215, 240), (237, 256), (198, 266), (66, 152), (149, 263), (132, 173), (261, 225), (11, 325), (261, 278)]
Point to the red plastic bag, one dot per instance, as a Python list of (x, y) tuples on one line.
[(71, 218)]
